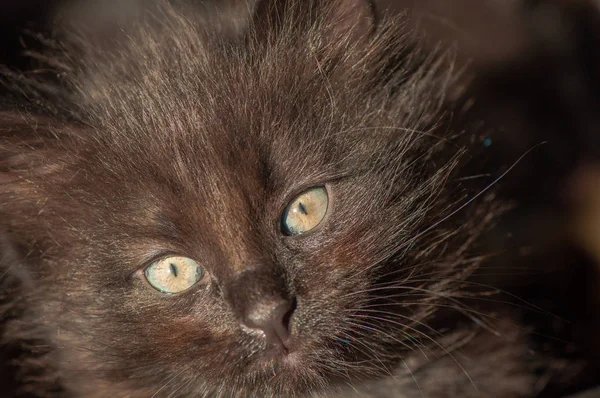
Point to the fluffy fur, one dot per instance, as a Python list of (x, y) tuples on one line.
[(190, 138)]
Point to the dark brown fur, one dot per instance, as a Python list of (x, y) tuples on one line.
[(191, 138)]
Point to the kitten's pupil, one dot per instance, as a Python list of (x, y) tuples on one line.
[(173, 269), (303, 209)]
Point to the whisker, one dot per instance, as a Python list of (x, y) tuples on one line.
[(479, 194), (405, 345), (444, 349), (167, 382)]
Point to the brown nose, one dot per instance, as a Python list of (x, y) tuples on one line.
[(272, 317), (260, 300)]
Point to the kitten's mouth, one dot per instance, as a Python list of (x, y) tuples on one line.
[(280, 360), (283, 352), (280, 348)]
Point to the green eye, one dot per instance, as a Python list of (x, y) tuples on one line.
[(306, 211), (173, 274)]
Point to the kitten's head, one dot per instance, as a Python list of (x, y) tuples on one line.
[(258, 214)]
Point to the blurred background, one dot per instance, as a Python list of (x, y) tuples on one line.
[(532, 83)]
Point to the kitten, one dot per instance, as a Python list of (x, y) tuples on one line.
[(203, 210)]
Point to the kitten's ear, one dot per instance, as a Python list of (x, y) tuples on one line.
[(341, 19)]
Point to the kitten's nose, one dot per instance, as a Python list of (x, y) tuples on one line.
[(261, 302), (273, 319)]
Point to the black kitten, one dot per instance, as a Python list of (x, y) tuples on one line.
[(274, 211)]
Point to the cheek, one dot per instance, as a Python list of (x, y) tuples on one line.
[(352, 251), (332, 274), (346, 257), (176, 340), (176, 334), (187, 335)]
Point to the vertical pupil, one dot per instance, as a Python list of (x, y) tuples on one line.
[(303, 208), (173, 269)]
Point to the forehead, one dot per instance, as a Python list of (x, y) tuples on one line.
[(250, 142), (231, 137), (225, 172)]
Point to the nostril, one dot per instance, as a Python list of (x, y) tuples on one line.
[(273, 318)]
